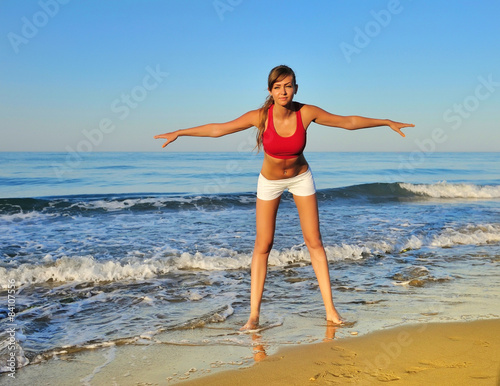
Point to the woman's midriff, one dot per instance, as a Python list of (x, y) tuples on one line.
[(278, 169)]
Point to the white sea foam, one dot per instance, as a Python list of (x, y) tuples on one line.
[(87, 268), (211, 263), (115, 204), (448, 190), (346, 251), (413, 243), (449, 237), (224, 314), (24, 216), (81, 268), (469, 235)]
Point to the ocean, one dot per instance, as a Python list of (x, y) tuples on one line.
[(100, 250)]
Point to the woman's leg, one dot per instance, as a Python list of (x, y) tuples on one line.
[(265, 223), (309, 222)]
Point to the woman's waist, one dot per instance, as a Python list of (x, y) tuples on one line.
[(277, 169)]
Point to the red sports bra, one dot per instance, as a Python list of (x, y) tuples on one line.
[(283, 147)]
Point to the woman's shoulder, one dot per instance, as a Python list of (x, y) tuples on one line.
[(308, 112), (298, 106), (304, 106), (252, 113)]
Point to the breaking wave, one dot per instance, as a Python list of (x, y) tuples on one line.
[(18, 209), (89, 269)]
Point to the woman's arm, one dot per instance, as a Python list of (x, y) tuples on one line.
[(353, 122), (214, 130)]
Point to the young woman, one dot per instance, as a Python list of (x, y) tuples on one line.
[(282, 125)]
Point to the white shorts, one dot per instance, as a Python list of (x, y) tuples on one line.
[(301, 185)]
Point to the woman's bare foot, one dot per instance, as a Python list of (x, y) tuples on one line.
[(251, 324), (334, 318)]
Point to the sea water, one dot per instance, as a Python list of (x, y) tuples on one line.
[(104, 249)]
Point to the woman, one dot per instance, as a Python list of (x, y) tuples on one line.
[(282, 125)]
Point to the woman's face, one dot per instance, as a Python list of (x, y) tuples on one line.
[(283, 91)]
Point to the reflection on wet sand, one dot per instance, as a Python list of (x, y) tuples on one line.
[(259, 352), (331, 328)]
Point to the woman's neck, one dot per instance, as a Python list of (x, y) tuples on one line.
[(283, 112)]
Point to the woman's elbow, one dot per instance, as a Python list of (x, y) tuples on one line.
[(216, 131), (349, 123)]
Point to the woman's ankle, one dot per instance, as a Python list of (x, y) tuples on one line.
[(251, 324)]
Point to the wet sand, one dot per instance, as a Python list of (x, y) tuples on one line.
[(458, 353), (465, 353)]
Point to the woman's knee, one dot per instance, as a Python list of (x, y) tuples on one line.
[(313, 242), (263, 245)]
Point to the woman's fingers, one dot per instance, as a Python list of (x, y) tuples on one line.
[(398, 126), (170, 137)]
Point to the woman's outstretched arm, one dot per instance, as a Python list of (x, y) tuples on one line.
[(353, 122), (214, 129)]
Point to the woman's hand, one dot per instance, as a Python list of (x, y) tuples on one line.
[(397, 126), (170, 137)]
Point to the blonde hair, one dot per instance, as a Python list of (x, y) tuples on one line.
[(277, 74)]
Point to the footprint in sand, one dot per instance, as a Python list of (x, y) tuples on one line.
[(483, 343), (441, 364), (332, 375), (344, 368), (344, 353), (416, 369), (386, 376)]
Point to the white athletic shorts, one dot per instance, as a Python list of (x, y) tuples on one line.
[(301, 185)]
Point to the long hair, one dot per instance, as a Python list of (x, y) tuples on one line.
[(277, 74)]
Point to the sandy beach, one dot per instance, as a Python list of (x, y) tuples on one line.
[(458, 353), (429, 354)]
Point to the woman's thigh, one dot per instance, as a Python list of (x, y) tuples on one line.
[(266, 211), (307, 207)]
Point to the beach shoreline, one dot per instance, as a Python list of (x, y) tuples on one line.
[(458, 353)]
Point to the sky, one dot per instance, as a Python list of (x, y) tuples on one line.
[(97, 75)]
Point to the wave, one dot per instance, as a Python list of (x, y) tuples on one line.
[(22, 208), (468, 235), (447, 190), (408, 191), (14, 209), (89, 269), (217, 316), (471, 234)]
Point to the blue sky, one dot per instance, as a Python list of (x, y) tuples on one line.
[(100, 75)]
